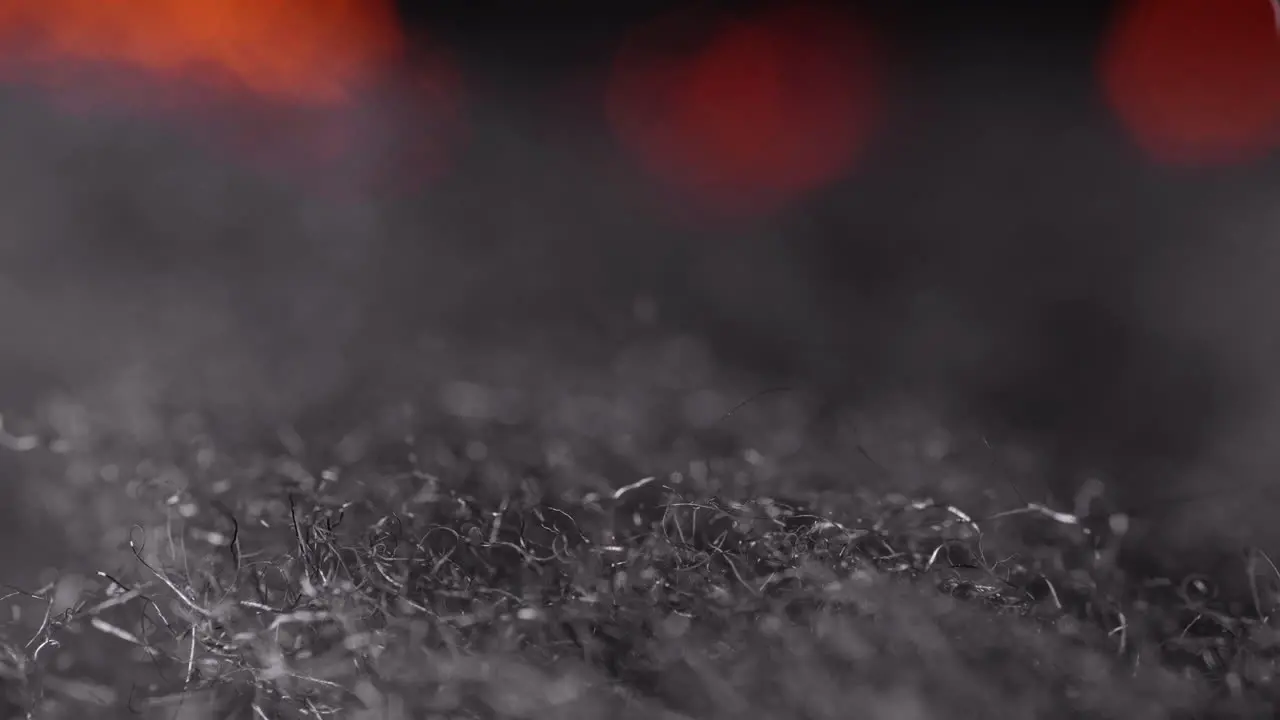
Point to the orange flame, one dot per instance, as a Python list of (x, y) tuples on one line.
[(322, 93), (1197, 82), (310, 51)]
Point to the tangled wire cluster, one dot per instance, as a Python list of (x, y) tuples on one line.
[(339, 609)]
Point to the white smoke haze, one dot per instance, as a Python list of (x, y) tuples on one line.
[(1000, 267)]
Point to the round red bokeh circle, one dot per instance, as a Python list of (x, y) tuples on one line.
[(1196, 82), (746, 112)]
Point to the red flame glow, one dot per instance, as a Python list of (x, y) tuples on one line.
[(1196, 82), (754, 111)]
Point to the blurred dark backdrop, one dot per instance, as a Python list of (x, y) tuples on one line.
[(1001, 250)]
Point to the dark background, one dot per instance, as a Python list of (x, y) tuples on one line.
[(1002, 253)]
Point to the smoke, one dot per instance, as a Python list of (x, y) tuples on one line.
[(192, 192), (1010, 261), (126, 245), (1000, 253)]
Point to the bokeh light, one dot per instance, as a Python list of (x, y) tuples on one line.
[(746, 112), (313, 51), (315, 88), (1196, 82)]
